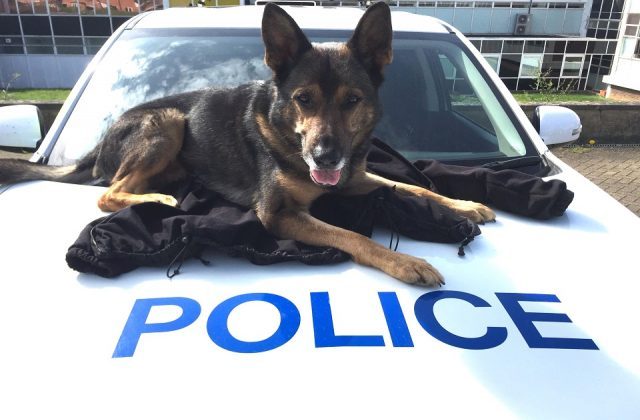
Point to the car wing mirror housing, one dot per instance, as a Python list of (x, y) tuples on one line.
[(556, 124), (21, 126)]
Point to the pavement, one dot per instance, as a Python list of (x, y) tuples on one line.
[(615, 169)]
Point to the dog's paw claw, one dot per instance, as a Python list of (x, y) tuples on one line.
[(416, 271), (163, 199)]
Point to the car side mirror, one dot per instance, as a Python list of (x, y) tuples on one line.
[(556, 124), (21, 126)]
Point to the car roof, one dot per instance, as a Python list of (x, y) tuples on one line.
[(307, 17)]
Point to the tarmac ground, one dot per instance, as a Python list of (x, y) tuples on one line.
[(615, 169)]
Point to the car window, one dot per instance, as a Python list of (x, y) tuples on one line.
[(436, 102), (462, 97), (437, 105)]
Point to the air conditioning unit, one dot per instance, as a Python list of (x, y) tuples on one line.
[(522, 24)]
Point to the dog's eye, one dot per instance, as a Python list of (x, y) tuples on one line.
[(353, 99), (303, 99)]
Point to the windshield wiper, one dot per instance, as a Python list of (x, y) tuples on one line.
[(518, 162)]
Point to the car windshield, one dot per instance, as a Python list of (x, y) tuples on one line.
[(437, 103)]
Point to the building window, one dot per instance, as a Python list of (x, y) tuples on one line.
[(555, 47), (513, 46), (576, 47), (597, 47), (631, 30), (530, 65), (491, 46), (9, 25), (93, 7), (494, 61), (551, 65), (35, 25), (39, 44), (66, 25), (61, 7), (572, 65), (40, 7), (533, 47), (25, 7), (510, 65), (69, 45), (93, 44), (96, 26), (11, 45), (8, 7), (629, 47)]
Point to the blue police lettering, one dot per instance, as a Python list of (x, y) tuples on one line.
[(524, 322), (219, 333), (137, 323), (427, 319), (396, 322), (323, 325)]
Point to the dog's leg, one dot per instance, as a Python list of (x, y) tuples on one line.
[(149, 152), (477, 212), (301, 226), (118, 196)]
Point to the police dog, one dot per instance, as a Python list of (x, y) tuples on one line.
[(273, 146)]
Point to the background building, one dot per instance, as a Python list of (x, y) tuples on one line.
[(623, 81), (567, 44)]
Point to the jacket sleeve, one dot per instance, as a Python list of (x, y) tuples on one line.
[(507, 189)]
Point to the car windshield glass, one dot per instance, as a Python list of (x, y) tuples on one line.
[(437, 103)]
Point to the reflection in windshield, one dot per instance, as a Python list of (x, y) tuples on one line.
[(142, 69)]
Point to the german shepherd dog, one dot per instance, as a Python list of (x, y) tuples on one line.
[(273, 146)]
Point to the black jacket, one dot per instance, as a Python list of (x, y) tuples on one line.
[(159, 235)]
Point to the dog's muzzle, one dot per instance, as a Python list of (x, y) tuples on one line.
[(326, 165)]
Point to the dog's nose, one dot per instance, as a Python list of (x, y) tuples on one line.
[(326, 154), (326, 157)]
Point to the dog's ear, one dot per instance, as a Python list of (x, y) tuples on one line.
[(283, 39), (371, 41)]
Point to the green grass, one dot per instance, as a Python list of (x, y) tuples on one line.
[(35, 95), (559, 97)]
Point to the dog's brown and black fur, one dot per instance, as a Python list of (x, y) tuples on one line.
[(274, 146)]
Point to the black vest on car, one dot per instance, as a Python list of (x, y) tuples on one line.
[(153, 234)]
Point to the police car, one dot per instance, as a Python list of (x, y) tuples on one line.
[(538, 320)]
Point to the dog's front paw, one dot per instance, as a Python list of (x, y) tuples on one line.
[(479, 213), (414, 270)]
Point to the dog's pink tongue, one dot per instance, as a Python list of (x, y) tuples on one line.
[(326, 176)]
